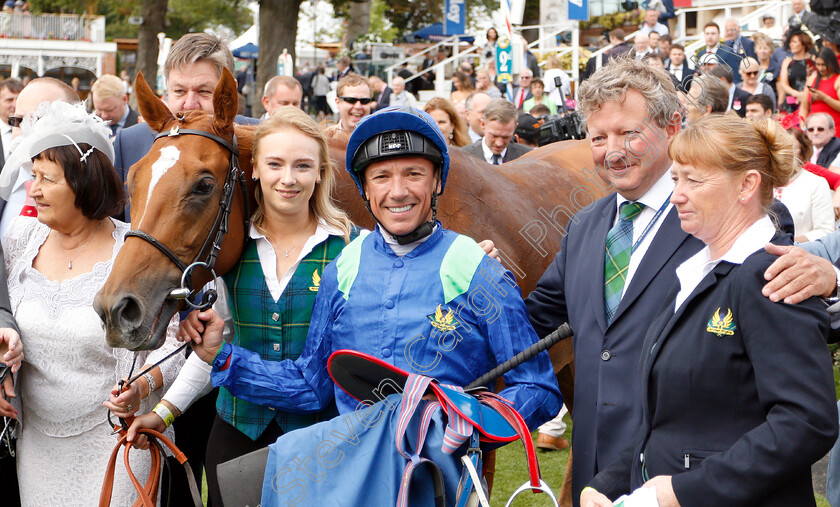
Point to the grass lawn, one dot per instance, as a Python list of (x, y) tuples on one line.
[(512, 472), (511, 468)]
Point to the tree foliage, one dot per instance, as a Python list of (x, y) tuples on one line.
[(381, 29), (409, 15), (182, 16)]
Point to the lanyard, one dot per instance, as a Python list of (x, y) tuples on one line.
[(650, 224)]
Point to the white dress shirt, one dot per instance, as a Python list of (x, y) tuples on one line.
[(193, 381), (696, 267), (488, 154), (403, 99), (653, 199), (835, 163), (808, 198), (816, 155), (658, 28), (474, 136)]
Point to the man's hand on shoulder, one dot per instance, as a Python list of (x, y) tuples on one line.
[(490, 248), (797, 275)]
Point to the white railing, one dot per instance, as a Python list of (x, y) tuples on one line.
[(546, 33), (750, 21), (597, 54), (695, 42), (52, 27), (763, 7), (780, 10), (439, 68), (431, 50)]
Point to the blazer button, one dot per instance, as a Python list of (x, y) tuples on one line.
[(606, 355)]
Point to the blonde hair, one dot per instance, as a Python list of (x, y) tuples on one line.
[(762, 38), (554, 62), (736, 145), (320, 204), (746, 63), (108, 85)]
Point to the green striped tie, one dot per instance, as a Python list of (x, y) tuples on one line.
[(617, 260)]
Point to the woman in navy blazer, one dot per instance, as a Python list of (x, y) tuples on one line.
[(737, 392)]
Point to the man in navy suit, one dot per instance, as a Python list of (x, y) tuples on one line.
[(608, 337), (724, 54), (741, 47), (680, 67), (189, 86)]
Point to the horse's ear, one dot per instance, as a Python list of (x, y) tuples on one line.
[(225, 100), (153, 110)]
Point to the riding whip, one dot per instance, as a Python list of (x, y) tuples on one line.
[(546, 343)]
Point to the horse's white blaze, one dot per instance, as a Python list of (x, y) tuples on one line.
[(168, 157)]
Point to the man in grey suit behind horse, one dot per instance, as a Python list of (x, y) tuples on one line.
[(499, 124)]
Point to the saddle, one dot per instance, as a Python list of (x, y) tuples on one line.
[(478, 416)]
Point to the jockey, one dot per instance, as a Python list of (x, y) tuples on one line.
[(411, 293)]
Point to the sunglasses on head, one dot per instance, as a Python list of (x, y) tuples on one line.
[(818, 129), (353, 100), (15, 121)]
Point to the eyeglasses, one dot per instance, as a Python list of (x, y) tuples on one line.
[(353, 100), (15, 121), (818, 129), (753, 73), (525, 77)]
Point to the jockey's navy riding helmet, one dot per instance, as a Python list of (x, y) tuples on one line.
[(396, 132)]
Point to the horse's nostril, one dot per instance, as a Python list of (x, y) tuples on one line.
[(128, 313)]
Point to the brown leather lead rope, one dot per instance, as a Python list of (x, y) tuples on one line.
[(147, 493)]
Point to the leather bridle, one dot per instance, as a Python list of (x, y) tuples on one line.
[(206, 256)]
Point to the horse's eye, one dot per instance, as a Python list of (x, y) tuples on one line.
[(205, 186)]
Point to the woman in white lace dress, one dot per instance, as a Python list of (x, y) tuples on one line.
[(56, 263)]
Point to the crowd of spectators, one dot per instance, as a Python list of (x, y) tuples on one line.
[(784, 78)]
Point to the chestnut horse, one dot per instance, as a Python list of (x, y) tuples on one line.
[(175, 190)]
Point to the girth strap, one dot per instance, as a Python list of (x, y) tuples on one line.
[(415, 388)]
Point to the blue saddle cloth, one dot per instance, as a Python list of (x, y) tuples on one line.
[(352, 460)]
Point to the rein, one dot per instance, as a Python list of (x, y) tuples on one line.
[(147, 493), (206, 256)]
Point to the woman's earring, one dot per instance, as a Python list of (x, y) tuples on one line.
[(254, 178), (451, 135)]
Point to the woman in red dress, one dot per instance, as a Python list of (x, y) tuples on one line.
[(823, 87)]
